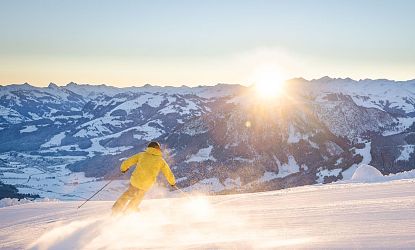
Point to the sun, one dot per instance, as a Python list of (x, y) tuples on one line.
[(268, 83)]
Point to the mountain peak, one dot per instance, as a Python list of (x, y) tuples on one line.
[(296, 80), (71, 84), (53, 86), (325, 79)]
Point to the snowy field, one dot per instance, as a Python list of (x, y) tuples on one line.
[(342, 215)]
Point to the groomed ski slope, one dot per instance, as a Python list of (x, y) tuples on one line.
[(354, 215)]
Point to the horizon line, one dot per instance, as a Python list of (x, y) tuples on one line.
[(194, 85)]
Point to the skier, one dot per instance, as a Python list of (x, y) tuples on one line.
[(148, 165)]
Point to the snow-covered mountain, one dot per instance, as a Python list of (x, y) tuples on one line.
[(59, 141)]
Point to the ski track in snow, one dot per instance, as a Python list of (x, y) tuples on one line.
[(351, 215)]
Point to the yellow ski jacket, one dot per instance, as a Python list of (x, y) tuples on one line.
[(148, 166)]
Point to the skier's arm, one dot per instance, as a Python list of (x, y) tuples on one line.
[(126, 164), (168, 174)]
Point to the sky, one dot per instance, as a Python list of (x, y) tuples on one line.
[(132, 43)]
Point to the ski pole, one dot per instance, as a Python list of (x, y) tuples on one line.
[(113, 178), (185, 194)]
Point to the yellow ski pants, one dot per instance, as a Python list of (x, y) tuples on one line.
[(129, 200)]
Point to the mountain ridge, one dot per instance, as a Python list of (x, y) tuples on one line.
[(321, 79)]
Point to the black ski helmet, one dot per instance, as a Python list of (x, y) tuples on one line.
[(154, 144)]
